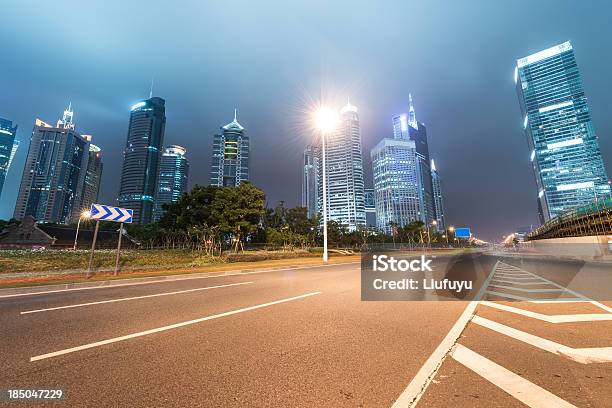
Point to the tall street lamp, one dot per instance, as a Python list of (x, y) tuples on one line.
[(450, 229), (325, 122), (84, 214)]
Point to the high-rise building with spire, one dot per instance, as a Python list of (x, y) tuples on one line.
[(406, 127), (173, 176), (438, 198), (8, 146), (344, 171), (54, 172), (567, 162), (230, 160), (141, 158)]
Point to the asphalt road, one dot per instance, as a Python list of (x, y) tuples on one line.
[(295, 337)]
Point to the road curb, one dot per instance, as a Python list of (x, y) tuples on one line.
[(32, 290)]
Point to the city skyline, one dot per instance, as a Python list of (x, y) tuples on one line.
[(470, 106)]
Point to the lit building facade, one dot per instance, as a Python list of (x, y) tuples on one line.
[(310, 193), (230, 160), (438, 199), (406, 127), (396, 183), (344, 172), (7, 148), (370, 207), (54, 172), (173, 175), (93, 178), (141, 158), (567, 161)]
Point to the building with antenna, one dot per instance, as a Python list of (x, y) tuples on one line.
[(141, 158), (230, 155), (406, 127), (54, 172), (172, 180)]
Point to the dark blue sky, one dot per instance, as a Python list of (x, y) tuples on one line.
[(270, 60)]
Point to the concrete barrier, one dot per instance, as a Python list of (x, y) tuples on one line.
[(591, 247)]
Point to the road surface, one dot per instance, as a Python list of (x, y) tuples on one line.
[(295, 337)]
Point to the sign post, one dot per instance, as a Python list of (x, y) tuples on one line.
[(101, 212)]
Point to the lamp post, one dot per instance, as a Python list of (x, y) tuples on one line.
[(325, 120), (84, 214), (433, 223)]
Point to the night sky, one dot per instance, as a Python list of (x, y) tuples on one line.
[(272, 61)]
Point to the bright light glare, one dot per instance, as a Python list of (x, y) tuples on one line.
[(86, 214), (326, 119)]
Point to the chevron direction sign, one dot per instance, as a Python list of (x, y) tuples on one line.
[(108, 213)]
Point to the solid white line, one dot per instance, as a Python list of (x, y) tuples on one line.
[(177, 278), (134, 298), (527, 290), (164, 328), (413, 392), (583, 356), (525, 391), (593, 317)]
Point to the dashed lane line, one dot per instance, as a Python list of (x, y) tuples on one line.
[(134, 298), (165, 328)]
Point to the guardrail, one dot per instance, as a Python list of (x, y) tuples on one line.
[(594, 218)]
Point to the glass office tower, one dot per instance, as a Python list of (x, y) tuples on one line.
[(54, 172), (172, 180), (141, 157), (436, 181), (93, 177), (397, 184), (344, 171), (230, 160), (567, 162), (7, 148), (406, 127), (310, 179)]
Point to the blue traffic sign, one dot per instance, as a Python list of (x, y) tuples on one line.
[(463, 232), (108, 213)]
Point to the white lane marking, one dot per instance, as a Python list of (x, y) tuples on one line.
[(592, 317), (527, 289), (583, 356), (177, 278), (525, 391), (592, 301), (419, 383), (522, 274), (532, 300), (134, 298), (164, 328), (521, 283), (526, 278)]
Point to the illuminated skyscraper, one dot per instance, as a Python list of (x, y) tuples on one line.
[(567, 162), (93, 177), (396, 183), (406, 127), (230, 160), (310, 179), (7, 148), (54, 172), (141, 157), (437, 198), (344, 171), (173, 174)]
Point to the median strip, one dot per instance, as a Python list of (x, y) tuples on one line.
[(134, 298), (165, 328)]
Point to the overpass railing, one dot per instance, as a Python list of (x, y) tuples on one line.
[(594, 218)]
